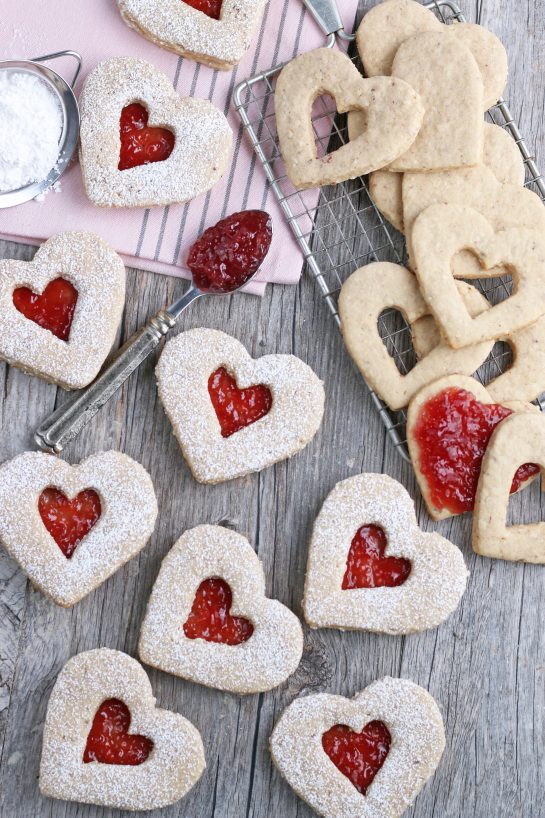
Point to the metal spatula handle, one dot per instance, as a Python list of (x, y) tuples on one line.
[(326, 14)]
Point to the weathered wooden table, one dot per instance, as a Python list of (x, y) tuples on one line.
[(485, 665)]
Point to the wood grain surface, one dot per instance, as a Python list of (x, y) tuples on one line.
[(485, 665)]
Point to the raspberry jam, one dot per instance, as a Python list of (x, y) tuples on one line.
[(69, 521), (367, 567), (359, 756), (141, 145), (53, 309), (109, 740), (212, 8), (236, 408), (210, 618), (452, 432), (228, 254)]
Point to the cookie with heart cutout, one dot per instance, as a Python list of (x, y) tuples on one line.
[(449, 425), (392, 110), (233, 414), (367, 756), (371, 568), (214, 32), (60, 312), (208, 619), (71, 527), (141, 144), (106, 742)]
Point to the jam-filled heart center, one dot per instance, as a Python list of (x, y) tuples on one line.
[(358, 756), (53, 309), (366, 565), (236, 408), (212, 8), (141, 144), (452, 432), (69, 521), (210, 618), (109, 740)]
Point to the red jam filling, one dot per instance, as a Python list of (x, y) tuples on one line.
[(236, 408), (228, 254), (452, 432), (69, 521), (210, 618), (359, 756), (212, 8), (367, 567), (141, 145), (109, 740), (53, 309)]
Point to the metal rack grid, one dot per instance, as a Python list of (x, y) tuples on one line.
[(339, 228)]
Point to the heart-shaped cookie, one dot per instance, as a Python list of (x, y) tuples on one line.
[(449, 424), (103, 699), (60, 312), (71, 527), (392, 109), (188, 376), (208, 618), (312, 742), (410, 582), (220, 40), (364, 296), (521, 251), (202, 138)]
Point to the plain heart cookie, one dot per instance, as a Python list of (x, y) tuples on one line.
[(60, 312), (141, 144), (208, 619), (231, 414), (368, 756), (371, 568), (71, 527), (105, 742)]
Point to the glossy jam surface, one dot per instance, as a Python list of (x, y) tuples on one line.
[(452, 432), (69, 521), (210, 618), (359, 756), (109, 740), (212, 8), (236, 408), (228, 254), (141, 145), (367, 567), (53, 309)]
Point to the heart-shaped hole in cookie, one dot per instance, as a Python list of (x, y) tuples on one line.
[(358, 756), (212, 8), (53, 309), (109, 740), (236, 408), (366, 565), (210, 618), (327, 125), (69, 521), (396, 337), (141, 144)]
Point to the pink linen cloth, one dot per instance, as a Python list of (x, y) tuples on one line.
[(158, 239)]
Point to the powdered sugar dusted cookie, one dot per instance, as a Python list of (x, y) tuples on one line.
[(218, 37), (231, 414), (71, 527), (392, 109), (105, 741), (142, 144), (59, 313), (208, 619), (371, 568), (368, 756)]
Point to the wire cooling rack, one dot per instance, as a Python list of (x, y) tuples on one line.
[(339, 228)]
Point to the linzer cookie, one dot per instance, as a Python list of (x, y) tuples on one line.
[(143, 145), (371, 568), (105, 741), (368, 756), (208, 619), (231, 414), (71, 527)]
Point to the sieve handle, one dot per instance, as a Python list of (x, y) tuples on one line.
[(75, 56), (326, 14)]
